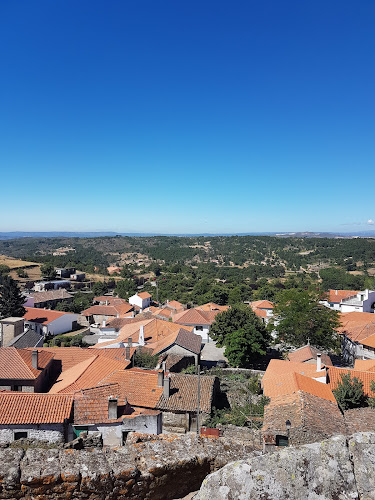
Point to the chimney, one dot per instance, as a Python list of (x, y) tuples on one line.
[(117, 315), (106, 302), (127, 352), (166, 387), (34, 359), (112, 408), (160, 378), (164, 366), (318, 362), (141, 340), (130, 342), (103, 324)]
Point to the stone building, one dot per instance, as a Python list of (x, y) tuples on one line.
[(24, 370), (311, 419), (103, 409), (41, 417)]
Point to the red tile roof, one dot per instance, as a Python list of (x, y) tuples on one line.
[(277, 367), (294, 382), (369, 341), (336, 296), (211, 306), (88, 373), (42, 316), (182, 338), (357, 325), (195, 317), (16, 363), (144, 295), (34, 408), (307, 353), (335, 373), (91, 405), (262, 304), (140, 387), (110, 310), (364, 365), (68, 356)]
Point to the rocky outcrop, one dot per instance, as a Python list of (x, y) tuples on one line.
[(339, 468), (149, 467)]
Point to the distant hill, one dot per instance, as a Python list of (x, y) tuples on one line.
[(100, 234)]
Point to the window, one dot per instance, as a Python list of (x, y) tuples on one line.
[(20, 435), (77, 429), (282, 440), (17, 388), (199, 328)]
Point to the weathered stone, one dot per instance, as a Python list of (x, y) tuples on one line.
[(315, 471), (362, 452)]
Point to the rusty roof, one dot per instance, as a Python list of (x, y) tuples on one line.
[(184, 393)]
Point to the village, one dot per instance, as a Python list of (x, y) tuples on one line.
[(61, 393)]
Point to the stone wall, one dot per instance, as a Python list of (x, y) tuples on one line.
[(51, 433), (159, 468)]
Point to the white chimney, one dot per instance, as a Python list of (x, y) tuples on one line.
[(103, 324), (160, 378), (166, 387), (318, 362), (112, 408), (141, 340), (34, 359)]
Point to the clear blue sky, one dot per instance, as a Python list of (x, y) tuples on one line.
[(187, 116)]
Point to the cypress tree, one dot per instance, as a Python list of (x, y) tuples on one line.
[(11, 298)]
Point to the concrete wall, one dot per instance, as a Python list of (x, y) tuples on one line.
[(112, 432), (10, 330), (52, 433)]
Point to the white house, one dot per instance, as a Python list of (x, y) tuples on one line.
[(350, 300), (200, 320), (362, 302), (141, 300), (46, 321)]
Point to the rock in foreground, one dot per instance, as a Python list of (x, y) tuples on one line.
[(339, 468)]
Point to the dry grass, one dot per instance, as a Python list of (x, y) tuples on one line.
[(15, 263)]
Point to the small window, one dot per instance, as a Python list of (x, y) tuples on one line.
[(282, 440), (199, 328), (20, 435), (17, 388)]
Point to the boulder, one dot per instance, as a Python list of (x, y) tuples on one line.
[(315, 471)]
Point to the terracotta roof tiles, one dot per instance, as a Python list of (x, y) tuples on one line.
[(366, 377), (34, 408), (16, 363)]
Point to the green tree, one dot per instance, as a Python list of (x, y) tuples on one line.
[(242, 333), (299, 319), (48, 271), (11, 298), (125, 288), (4, 269), (144, 359), (349, 393), (99, 288)]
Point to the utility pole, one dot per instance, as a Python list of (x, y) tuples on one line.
[(198, 396)]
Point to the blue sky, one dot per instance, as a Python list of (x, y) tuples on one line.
[(187, 116)]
